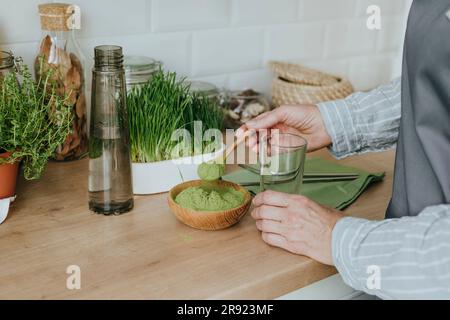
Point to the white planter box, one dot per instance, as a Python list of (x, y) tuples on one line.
[(159, 177)]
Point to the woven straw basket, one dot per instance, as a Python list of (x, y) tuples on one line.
[(296, 84)]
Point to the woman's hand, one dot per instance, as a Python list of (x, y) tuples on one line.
[(296, 224), (304, 120)]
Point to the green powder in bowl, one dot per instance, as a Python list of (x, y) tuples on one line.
[(207, 198)]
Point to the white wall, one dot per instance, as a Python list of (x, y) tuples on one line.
[(229, 42)]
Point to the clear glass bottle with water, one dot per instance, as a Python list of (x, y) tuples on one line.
[(110, 179)]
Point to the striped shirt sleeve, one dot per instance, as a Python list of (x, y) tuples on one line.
[(365, 121), (406, 258)]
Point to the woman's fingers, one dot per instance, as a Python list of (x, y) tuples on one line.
[(241, 131), (252, 139), (266, 120), (296, 224), (271, 198), (270, 226), (253, 142), (265, 212), (275, 240), (264, 125)]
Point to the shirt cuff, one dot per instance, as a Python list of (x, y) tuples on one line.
[(341, 127), (343, 236)]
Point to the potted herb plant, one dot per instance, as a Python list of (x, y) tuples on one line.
[(34, 120), (163, 115)]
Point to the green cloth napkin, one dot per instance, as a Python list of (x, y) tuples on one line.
[(335, 194)]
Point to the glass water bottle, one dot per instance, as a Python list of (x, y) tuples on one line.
[(110, 182)]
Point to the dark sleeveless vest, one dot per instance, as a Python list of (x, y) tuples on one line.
[(422, 172)]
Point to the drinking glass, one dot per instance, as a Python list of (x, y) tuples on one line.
[(282, 162)]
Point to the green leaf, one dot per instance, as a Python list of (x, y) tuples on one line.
[(33, 122)]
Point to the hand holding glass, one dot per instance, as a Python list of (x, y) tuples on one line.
[(282, 162)]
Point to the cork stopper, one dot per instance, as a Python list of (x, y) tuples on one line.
[(56, 16)]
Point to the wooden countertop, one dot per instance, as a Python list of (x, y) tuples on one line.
[(148, 254)]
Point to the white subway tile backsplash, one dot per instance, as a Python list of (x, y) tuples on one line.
[(259, 80), (387, 7), (169, 15), (110, 18), (367, 73), (258, 12), (19, 21), (225, 51), (344, 39), (391, 34), (220, 81), (172, 49), (326, 9), (295, 42), (229, 42)]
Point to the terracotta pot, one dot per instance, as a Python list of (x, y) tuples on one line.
[(8, 177)]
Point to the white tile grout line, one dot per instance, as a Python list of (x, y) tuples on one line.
[(191, 54), (149, 16)]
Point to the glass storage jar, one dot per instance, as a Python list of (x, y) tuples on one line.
[(8, 64), (242, 106), (60, 59), (139, 70), (205, 88)]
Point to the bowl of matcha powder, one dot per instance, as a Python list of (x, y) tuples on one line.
[(209, 205)]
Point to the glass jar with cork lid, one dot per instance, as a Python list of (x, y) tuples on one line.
[(61, 60)]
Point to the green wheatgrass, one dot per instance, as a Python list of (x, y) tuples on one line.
[(210, 199), (162, 105)]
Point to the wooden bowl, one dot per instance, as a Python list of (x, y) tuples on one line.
[(209, 220)]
